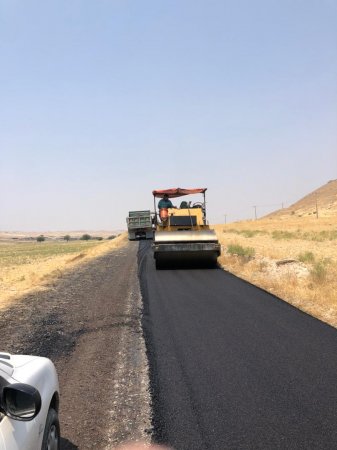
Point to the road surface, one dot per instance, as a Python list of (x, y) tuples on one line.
[(233, 367)]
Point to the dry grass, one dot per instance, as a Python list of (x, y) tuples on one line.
[(295, 259), (28, 266)]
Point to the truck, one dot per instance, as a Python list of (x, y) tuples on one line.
[(140, 225)]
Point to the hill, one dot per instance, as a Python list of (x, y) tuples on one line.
[(322, 201)]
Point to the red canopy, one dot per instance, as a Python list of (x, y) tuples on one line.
[(177, 192)]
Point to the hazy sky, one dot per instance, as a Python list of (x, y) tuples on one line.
[(102, 101)]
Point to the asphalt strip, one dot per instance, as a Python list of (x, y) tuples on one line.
[(233, 367)]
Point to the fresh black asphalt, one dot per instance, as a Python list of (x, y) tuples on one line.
[(233, 367)]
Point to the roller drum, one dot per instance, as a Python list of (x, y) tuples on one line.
[(186, 249)]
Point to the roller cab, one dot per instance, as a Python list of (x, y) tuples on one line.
[(183, 237)]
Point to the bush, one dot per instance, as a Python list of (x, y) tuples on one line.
[(252, 233), (236, 249), (324, 235), (112, 236), (85, 237), (319, 272), (278, 234), (245, 233), (306, 257), (40, 238)]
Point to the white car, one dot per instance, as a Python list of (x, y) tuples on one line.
[(29, 403)]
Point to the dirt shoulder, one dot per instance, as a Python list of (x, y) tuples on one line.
[(28, 267), (88, 323)]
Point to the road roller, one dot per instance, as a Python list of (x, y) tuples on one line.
[(182, 237)]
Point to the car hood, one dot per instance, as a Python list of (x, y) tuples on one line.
[(10, 364)]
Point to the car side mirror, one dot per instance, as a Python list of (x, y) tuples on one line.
[(20, 401)]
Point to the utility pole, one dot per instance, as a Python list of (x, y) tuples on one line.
[(255, 206), (316, 207)]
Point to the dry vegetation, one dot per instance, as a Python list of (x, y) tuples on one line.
[(293, 258), (27, 266)]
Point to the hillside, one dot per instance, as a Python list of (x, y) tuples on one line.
[(324, 197)]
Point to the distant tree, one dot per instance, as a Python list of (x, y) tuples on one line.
[(85, 237), (112, 236), (40, 238), (99, 238), (66, 237)]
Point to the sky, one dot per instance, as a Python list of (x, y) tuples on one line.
[(102, 101)]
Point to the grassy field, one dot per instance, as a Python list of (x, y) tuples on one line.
[(295, 259), (18, 253), (26, 266)]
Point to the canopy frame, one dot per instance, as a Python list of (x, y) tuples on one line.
[(177, 192)]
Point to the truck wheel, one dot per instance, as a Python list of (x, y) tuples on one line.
[(51, 435)]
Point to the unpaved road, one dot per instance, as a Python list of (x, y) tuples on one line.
[(89, 325), (233, 367)]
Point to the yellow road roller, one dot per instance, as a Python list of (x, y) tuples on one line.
[(182, 235)]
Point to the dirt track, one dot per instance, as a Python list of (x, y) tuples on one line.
[(89, 325)]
